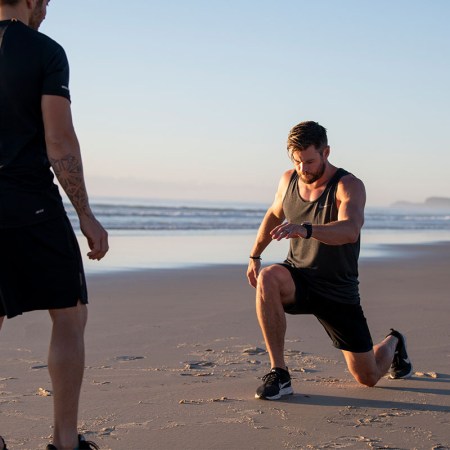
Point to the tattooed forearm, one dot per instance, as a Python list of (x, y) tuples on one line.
[(69, 164), (69, 171)]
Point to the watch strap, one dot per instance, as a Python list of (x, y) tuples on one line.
[(308, 227)]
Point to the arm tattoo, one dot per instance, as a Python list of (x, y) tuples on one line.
[(69, 171)]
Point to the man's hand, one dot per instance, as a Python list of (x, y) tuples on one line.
[(96, 236), (288, 230), (254, 266)]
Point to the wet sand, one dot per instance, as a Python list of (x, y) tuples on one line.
[(174, 357)]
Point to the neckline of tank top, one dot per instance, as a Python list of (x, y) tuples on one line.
[(339, 170)]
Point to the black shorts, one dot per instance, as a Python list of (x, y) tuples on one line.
[(40, 268), (344, 323)]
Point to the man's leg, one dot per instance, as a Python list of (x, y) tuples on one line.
[(2, 442), (275, 288), (66, 367), (367, 368)]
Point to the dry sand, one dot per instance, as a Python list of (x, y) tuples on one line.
[(174, 356)]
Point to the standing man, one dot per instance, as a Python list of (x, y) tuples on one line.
[(40, 262), (324, 211)]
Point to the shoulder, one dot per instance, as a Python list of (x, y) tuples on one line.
[(41, 41), (285, 180), (283, 186), (349, 180), (349, 185), (288, 175), (51, 47), (34, 35)]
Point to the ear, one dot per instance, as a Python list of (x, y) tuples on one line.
[(31, 4), (326, 152)]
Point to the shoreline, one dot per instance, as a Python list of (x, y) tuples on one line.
[(145, 250)]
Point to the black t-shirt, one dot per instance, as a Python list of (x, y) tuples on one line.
[(31, 65)]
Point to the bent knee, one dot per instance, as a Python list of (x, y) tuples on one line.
[(275, 283), (273, 276), (267, 275), (369, 379)]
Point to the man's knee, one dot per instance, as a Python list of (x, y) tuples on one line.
[(366, 378), (275, 283), (72, 318), (363, 367), (267, 278), (271, 277)]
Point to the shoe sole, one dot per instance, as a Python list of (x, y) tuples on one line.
[(408, 375), (401, 377), (285, 391)]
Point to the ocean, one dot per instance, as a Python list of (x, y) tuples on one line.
[(159, 234), (177, 216)]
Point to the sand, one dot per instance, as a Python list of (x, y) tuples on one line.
[(174, 358)]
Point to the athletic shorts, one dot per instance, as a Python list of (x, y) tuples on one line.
[(40, 268), (344, 323)]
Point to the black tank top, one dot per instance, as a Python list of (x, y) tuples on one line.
[(331, 270)]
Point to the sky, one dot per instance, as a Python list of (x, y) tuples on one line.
[(194, 99)]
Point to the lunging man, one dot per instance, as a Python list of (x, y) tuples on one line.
[(320, 208)]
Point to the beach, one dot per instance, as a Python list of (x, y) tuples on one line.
[(174, 356)]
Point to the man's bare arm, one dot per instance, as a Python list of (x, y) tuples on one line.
[(351, 198), (273, 217), (63, 151), (64, 154)]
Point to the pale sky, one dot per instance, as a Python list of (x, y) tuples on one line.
[(194, 99)]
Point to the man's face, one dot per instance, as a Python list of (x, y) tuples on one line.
[(38, 14), (309, 164)]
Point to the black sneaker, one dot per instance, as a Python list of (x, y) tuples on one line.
[(401, 366), (3, 444), (86, 445), (276, 383), (82, 445)]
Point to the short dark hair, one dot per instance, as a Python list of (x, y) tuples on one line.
[(9, 2), (306, 134)]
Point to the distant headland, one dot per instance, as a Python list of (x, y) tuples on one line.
[(430, 202)]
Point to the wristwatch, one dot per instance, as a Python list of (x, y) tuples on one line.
[(308, 227)]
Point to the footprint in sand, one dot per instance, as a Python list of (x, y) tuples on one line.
[(127, 358), (254, 351), (197, 365), (293, 353), (40, 366), (107, 431)]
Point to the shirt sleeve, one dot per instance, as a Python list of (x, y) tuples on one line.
[(56, 74)]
